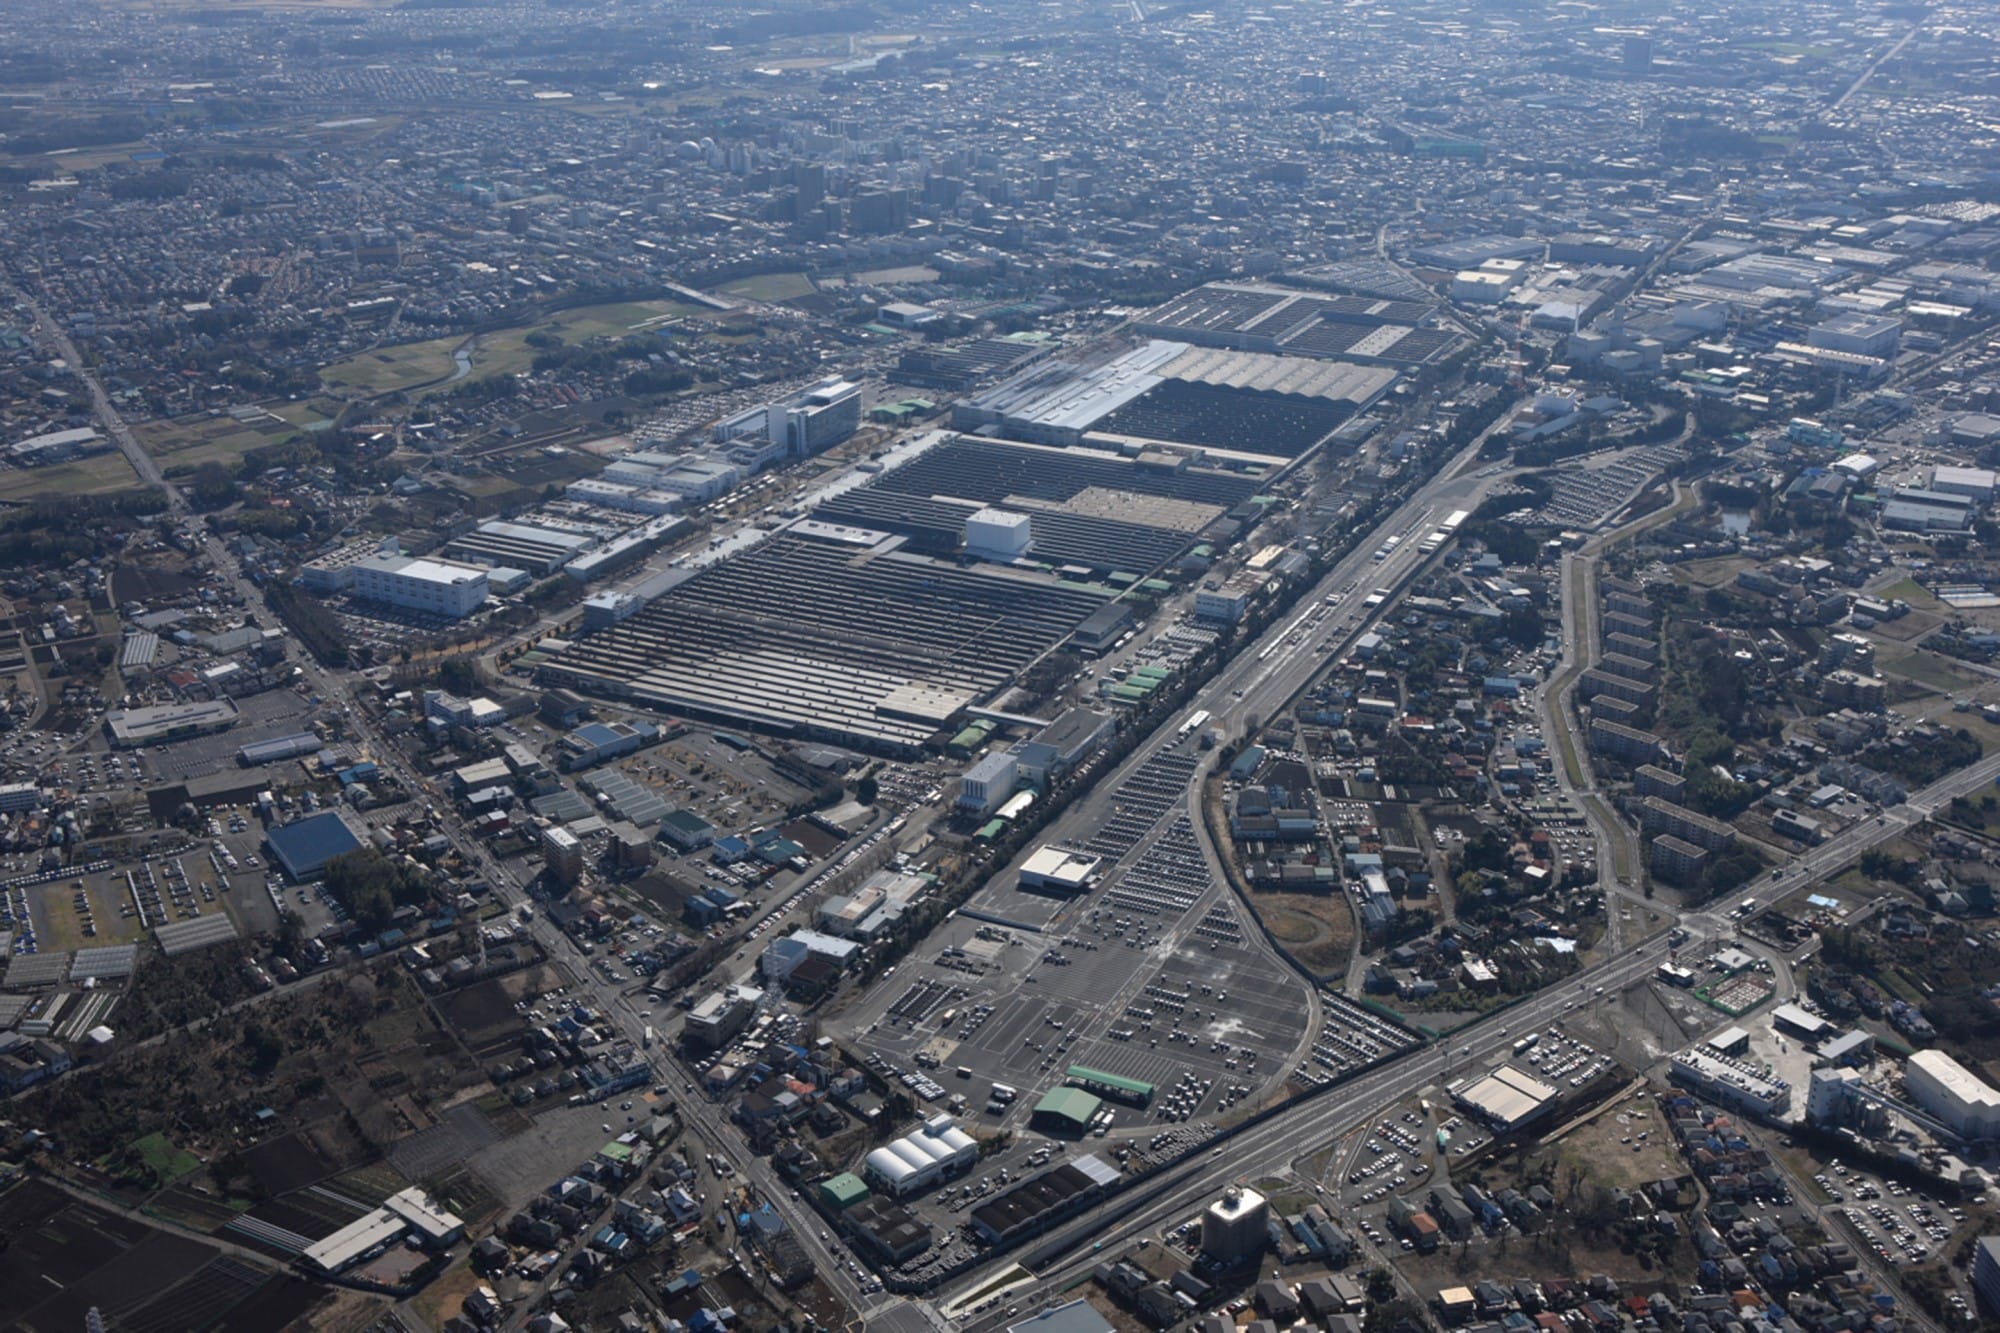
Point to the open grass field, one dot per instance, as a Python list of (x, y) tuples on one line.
[(1928, 668), (86, 476), (770, 287), (1911, 591), (389, 369), (505, 352), (61, 162)]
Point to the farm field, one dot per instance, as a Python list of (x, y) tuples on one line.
[(85, 476)]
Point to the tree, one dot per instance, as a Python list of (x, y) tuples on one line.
[(867, 789), (371, 886)]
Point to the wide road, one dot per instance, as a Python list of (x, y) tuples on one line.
[(1272, 1146), (107, 415)]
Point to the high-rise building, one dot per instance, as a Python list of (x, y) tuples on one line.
[(1235, 1227), (564, 854), (1638, 54)]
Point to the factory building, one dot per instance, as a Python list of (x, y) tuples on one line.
[(989, 782), (1960, 1099), (439, 587), (539, 550), (998, 534), (1858, 334), (334, 571)]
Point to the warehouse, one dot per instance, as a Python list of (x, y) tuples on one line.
[(538, 550), (129, 727), (410, 1212), (279, 749), (1041, 1201), (1059, 871), (935, 1150), (1066, 1111), (1102, 1083), (1506, 1099), (304, 846), (440, 587)]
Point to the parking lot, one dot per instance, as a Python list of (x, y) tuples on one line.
[(1590, 490), (1209, 1025), (1898, 1223)]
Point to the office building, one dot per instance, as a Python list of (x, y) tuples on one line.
[(1986, 1274), (440, 587), (818, 419), (563, 853), (1228, 604)]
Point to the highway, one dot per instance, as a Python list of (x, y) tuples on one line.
[(1260, 681), (1268, 674), (1272, 1146)]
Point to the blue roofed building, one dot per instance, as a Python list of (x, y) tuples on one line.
[(305, 846)]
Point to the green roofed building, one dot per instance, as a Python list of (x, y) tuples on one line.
[(1115, 1086), (1066, 1111), (843, 1191)]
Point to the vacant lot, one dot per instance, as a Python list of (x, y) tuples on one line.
[(1316, 929), (1624, 1147)]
